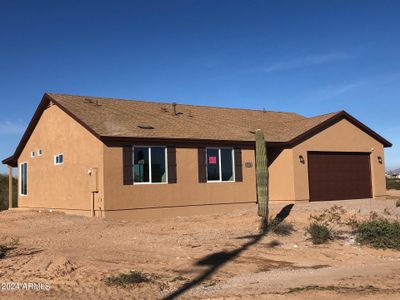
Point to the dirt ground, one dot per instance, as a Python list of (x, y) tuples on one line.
[(211, 256)]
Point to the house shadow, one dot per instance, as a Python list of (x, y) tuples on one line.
[(216, 260)]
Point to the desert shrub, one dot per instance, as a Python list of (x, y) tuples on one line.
[(330, 217), (398, 203), (280, 227), (124, 279), (379, 233), (373, 215), (392, 184), (179, 278), (387, 212), (3, 251), (353, 222), (319, 233), (8, 243), (323, 227)]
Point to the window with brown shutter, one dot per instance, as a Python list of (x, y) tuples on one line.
[(202, 164), (171, 157), (238, 165), (127, 165)]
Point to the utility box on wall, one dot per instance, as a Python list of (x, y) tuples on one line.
[(93, 182)]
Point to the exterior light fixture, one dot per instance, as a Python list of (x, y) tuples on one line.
[(380, 159), (301, 158)]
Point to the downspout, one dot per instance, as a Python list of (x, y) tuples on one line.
[(92, 209)]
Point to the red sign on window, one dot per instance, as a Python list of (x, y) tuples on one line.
[(212, 160)]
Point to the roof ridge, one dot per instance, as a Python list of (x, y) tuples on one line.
[(158, 102), (313, 117)]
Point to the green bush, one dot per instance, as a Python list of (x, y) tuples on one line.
[(319, 233), (379, 233), (131, 278), (323, 227), (392, 184)]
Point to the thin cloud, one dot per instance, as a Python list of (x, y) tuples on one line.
[(334, 91), (339, 90), (305, 61), (10, 128)]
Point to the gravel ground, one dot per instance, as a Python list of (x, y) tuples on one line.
[(209, 256)]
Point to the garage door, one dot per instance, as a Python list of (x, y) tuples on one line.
[(339, 176)]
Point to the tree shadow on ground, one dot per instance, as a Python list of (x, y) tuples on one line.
[(216, 260)]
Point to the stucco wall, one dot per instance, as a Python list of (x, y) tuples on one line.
[(281, 176), (344, 137), (186, 192), (65, 186)]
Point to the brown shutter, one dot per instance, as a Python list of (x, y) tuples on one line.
[(202, 164), (238, 165), (171, 157), (127, 165)]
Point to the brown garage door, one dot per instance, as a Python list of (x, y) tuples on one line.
[(339, 175)]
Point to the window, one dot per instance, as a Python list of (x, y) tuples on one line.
[(149, 164), (23, 179), (39, 152), (59, 159), (32, 153), (220, 164)]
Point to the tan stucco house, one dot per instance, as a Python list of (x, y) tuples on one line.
[(135, 159)]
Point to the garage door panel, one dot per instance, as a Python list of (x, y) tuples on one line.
[(339, 176)]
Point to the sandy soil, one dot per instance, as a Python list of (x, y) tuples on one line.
[(222, 251)]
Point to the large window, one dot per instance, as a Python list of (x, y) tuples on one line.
[(149, 164), (220, 164), (23, 179)]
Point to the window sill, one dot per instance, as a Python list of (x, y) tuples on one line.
[(218, 181), (149, 183)]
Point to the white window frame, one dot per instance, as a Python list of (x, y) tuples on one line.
[(220, 165), (150, 169), (40, 152), (33, 154), (55, 159), (20, 179)]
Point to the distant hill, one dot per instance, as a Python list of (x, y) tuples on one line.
[(397, 171), (4, 191)]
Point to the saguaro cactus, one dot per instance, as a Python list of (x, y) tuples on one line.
[(262, 175)]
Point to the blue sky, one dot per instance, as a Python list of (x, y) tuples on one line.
[(309, 57)]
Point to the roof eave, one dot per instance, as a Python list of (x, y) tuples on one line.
[(10, 161)]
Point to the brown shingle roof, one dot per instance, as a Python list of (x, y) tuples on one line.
[(123, 118), (110, 118)]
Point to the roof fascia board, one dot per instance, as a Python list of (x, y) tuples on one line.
[(12, 160), (333, 120), (46, 99)]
